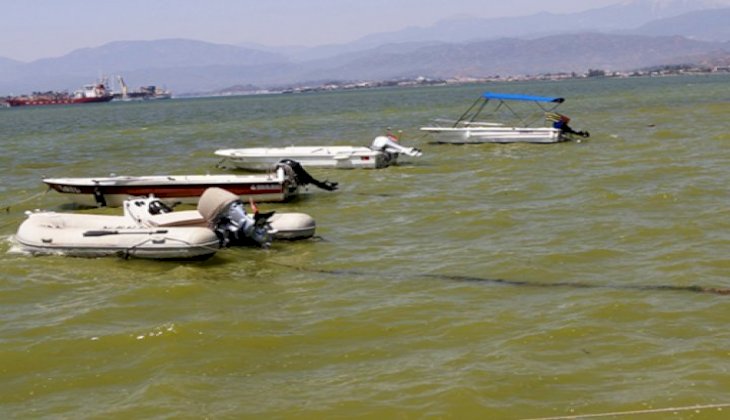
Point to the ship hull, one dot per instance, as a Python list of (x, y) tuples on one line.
[(15, 102)]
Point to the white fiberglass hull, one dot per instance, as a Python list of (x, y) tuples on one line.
[(112, 191), (84, 235), (495, 134), (341, 157)]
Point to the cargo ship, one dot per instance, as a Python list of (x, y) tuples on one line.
[(143, 93), (92, 93)]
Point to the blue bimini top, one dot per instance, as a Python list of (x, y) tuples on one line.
[(519, 97)]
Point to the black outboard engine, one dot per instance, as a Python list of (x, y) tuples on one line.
[(302, 177), (218, 209), (235, 227), (226, 215)]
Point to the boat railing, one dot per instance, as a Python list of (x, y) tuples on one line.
[(481, 124), (443, 122)]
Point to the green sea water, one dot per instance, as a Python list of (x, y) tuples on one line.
[(477, 281)]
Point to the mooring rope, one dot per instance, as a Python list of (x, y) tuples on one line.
[(7, 208), (634, 412), (32, 197), (692, 288), (526, 283)]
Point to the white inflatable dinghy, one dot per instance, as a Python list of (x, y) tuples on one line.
[(150, 229)]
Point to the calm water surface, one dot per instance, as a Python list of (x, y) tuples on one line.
[(479, 281)]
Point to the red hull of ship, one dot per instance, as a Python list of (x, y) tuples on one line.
[(54, 101)]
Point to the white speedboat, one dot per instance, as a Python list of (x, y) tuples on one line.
[(383, 152), (150, 229), (521, 128), (285, 182)]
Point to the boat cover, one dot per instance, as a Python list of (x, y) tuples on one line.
[(519, 97)]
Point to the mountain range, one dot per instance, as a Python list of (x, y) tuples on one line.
[(626, 36)]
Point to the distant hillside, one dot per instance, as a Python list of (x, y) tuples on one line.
[(559, 53), (165, 53), (504, 57), (633, 13), (6, 62), (10, 69), (169, 62), (621, 37), (621, 17), (706, 25)]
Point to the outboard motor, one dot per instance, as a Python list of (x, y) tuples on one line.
[(235, 227), (387, 144), (218, 209), (302, 177), (227, 217)]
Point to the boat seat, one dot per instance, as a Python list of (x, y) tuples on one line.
[(178, 218)]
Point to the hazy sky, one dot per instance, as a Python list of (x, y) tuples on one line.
[(33, 29)]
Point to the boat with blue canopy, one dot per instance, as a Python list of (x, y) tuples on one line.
[(509, 121)]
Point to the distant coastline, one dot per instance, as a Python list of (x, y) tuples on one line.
[(421, 81), (331, 86)]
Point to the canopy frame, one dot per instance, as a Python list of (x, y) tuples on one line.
[(545, 103)]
